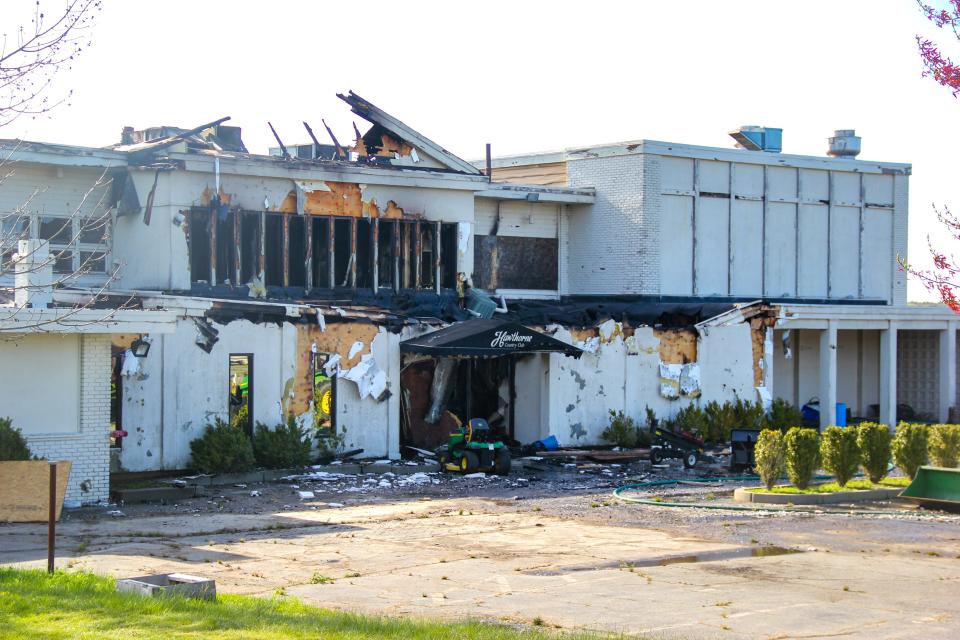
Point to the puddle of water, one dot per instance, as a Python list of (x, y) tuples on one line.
[(706, 556)]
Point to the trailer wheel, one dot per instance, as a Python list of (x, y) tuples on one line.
[(690, 460)]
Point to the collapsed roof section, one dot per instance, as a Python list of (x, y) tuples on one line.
[(384, 122), (388, 143)]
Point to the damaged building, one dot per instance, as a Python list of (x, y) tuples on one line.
[(322, 281)]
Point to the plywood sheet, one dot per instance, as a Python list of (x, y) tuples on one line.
[(25, 490)]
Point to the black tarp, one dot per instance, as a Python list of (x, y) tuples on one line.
[(486, 338)]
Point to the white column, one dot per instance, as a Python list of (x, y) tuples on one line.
[(948, 370), (888, 376), (828, 375)]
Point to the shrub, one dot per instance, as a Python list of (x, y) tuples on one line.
[(874, 442), (783, 415), (944, 444), (840, 453), (285, 445), (910, 447), (12, 444), (802, 455), (721, 419), (769, 456), (749, 415), (691, 419), (222, 449)]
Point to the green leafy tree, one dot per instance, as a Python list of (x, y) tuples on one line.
[(874, 442), (802, 455), (840, 453), (769, 456), (944, 444), (910, 447)]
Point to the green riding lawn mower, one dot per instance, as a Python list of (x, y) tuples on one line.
[(474, 448)]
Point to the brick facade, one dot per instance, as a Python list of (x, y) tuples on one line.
[(615, 248), (89, 450)]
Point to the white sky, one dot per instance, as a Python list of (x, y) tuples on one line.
[(524, 75)]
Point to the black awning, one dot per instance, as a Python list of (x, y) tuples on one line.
[(486, 338)]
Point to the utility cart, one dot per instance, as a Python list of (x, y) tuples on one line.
[(675, 444)]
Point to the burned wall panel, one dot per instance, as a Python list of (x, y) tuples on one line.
[(364, 254), (226, 247), (448, 255), (249, 245), (507, 262), (385, 256), (343, 252)]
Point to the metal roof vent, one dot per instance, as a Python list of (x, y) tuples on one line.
[(845, 143), (756, 138)]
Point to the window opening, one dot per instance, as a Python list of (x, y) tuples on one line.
[(226, 247), (249, 246), (342, 252), (385, 252), (324, 396), (427, 253), (273, 250), (200, 245), (364, 261), (321, 253), (448, 255), (297, 252), (241, 391)]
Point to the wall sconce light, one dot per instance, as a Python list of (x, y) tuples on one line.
[(141, 347)]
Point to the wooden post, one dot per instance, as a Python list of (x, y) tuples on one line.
[(52, 517)]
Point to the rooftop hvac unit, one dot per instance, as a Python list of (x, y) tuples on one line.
[(756, 138), (845, 143)]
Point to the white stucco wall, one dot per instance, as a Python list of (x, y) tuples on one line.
[(577, 395), (185, 388)]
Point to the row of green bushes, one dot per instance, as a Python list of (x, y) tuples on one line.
[(226, 448), (714, 421), (842, 451)]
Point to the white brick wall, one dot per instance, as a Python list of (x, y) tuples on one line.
[(900, 218), (615, 249), (88, 449)]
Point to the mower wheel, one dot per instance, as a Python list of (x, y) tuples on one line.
[(501, 465), (690, 460), (655, 456), (469, 462)]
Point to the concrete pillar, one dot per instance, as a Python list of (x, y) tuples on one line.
[(888, 376), (948, 370), (828, 375)]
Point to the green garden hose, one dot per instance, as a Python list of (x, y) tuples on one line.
[(726, 507)]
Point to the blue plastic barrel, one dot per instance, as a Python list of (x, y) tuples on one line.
[(841, 414)]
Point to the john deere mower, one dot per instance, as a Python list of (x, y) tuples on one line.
[(473, 448)]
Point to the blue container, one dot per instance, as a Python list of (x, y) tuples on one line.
[(547, 444), (841, 414)]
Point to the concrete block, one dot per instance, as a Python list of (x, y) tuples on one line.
[(170, 584), (154, 494), (248, 477)]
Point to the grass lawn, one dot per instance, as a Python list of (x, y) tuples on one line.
[(34, 604), (833, 487)]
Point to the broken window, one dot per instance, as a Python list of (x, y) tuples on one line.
[(324, 396), (427, 253), (342, 252), (448, 255), (297, 252), (385, 255), (364, 250), (13, 228), (508, 262), (320, 241), (226, 247), (273, 250), (249, 245), (241, 391), (200, 244)]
